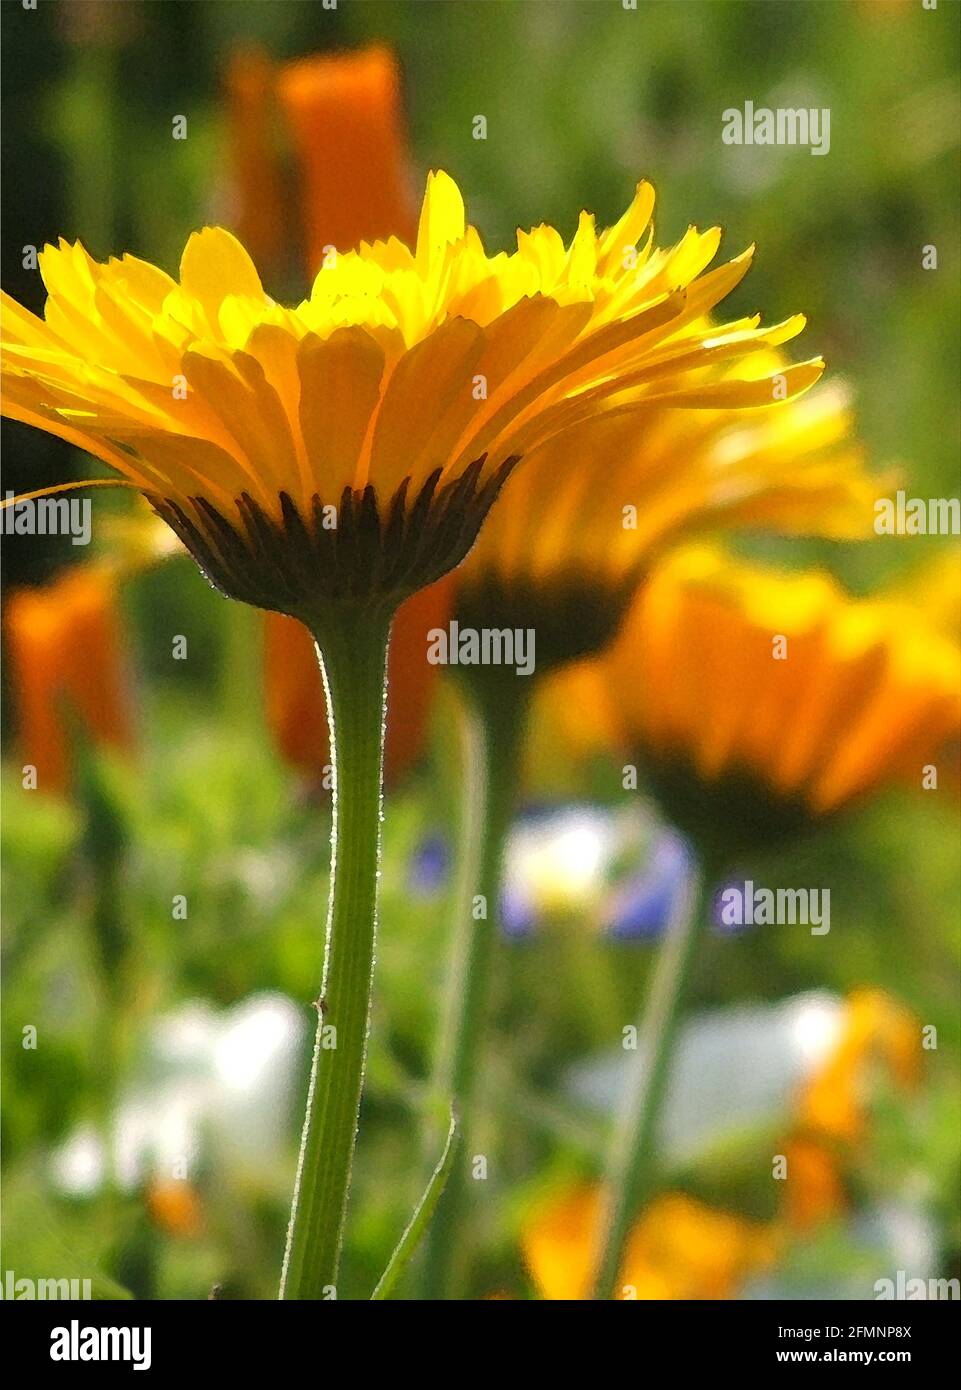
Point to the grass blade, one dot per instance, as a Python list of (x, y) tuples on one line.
[(420, 1220)]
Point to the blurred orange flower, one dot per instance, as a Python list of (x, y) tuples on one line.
[(344, 113), (679, 1249), (878, 1032), (813, 1192), (758, 701), (174, 1205), (255, 165), (67, 662), (338, 121)]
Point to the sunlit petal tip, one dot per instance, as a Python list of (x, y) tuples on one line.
[(808, 373), (776, 334), (215, 264), (442, 217)]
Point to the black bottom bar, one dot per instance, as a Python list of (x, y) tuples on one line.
[(295, 1338)]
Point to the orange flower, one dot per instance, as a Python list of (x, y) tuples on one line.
[(174, 1205), (744, 744), (596, 507), (813, 1191), (295, 693), (344, 113), (340, 119), (66, 658), (679, 1249), (877, 1030), (877, 1033), (255, 166)]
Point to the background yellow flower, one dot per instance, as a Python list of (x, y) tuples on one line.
[(593, 510), (760, 701)]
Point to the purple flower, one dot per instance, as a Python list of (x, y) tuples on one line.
[(429, 867), (641, 907)]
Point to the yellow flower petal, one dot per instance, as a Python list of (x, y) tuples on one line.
[(214, 265)]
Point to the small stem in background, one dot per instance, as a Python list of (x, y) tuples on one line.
[(242, 671), (633, 1153), (353, 648), (86, 123), (104, 850), (495, 719)]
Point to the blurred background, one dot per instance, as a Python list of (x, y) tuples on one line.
[(165, 885)]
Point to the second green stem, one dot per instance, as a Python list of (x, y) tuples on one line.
[(494, 728), (633, 1154)]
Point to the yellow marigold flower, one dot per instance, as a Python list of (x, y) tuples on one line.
[(679, 1248), (65, 646), (592, 509), (759, 701), (401, 393)]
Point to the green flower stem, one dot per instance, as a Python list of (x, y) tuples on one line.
[(353, 647), (631, 1168), (494, 728)]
